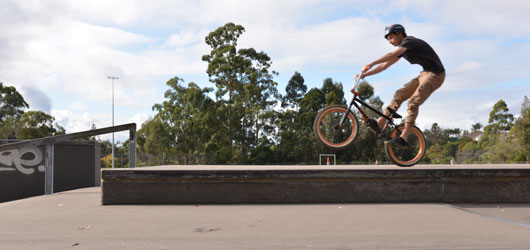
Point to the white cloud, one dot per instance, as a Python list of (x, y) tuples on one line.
[(476, 17), (78, 122), (185, 37), (487, 106), (78, 106), (75, 122), (139, 119), (468, 66), (332, 43)]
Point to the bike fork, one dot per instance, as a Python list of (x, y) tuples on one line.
[(345, 114)]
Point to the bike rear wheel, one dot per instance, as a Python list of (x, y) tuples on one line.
[(330, 132), (409, 156)]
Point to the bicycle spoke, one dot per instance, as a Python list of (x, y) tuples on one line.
[(334, 132), (407, 156), (329, 130)]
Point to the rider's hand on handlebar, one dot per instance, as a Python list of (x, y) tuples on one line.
[(357, 77), (366, 68)]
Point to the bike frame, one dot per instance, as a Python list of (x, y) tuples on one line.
[(355, 101)]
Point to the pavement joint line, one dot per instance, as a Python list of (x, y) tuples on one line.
[(489, 216)]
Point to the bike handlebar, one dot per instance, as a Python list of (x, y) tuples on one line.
[(356, 83)]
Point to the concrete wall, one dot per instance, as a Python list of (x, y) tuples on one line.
[(77, 165), (178, 185)]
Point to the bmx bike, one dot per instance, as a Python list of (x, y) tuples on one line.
[(337, 126)]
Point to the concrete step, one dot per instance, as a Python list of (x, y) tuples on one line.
[(316, 184)]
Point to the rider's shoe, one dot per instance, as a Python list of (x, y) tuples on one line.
[(393, 113), (398, 141), (372, 125)]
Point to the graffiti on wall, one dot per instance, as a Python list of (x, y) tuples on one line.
[(24, 160)]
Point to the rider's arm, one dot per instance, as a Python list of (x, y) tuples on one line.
[(384, 62), (382, 66)]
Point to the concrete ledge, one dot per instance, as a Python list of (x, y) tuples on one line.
[(247, 185)]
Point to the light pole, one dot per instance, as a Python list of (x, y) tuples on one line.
[(113, 78)]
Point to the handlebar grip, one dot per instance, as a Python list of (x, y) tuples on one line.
[(366, 68)]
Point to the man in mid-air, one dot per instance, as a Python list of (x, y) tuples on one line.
[(415, 51)]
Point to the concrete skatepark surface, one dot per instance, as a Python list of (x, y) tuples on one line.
[(77, 220)]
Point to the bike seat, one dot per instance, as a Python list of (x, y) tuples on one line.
[(393, 113)]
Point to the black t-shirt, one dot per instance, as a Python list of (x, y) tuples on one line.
[(420, 52)]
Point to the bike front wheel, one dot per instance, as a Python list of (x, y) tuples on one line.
[(409, 156), (330, 132)]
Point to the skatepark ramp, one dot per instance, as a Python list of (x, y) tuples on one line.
[(316, 184)]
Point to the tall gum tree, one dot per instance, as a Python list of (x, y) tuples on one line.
[(245, 88)]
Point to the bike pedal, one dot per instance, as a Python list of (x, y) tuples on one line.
[(372, 125)]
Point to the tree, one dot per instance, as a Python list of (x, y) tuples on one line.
[(12, 107), (37, 124), (313, 101), (260, 96), (435, 135), (295, 91), (365, 90), (107, 161), (503, 151), (263, 154), (333, 92), (468, 151), (453, 133), (306, 146), (521, 129), (476, 127), (9, 128), (221, 70), (294, 126), (12, 104), (288, 134), (499, 121), (186, 121), (155, 137), (245, 88)]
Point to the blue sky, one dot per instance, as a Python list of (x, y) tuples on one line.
[(58, 53)]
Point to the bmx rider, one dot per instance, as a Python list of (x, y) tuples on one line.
[(415, 51)]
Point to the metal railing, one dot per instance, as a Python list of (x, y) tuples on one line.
[(51, 140)]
